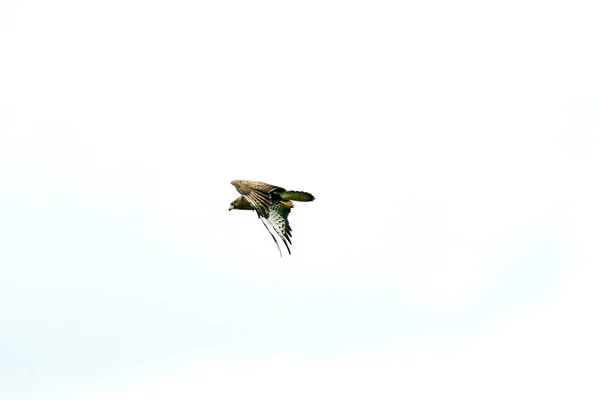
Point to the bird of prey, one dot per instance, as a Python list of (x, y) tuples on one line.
[(272, 204)]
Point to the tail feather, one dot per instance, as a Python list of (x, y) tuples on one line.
[(296, 195)]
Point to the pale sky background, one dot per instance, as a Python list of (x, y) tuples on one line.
[(452, 250)]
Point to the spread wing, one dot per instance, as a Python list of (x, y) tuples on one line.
[(278, 220), (258, 194)]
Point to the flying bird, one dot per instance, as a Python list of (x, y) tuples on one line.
[(272, 204)]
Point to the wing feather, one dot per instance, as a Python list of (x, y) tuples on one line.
[(278, 220), (275, 240), (257, 193)]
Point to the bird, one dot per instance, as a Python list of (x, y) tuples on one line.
[(272, 204)]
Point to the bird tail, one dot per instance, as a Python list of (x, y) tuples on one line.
[(296, 196)]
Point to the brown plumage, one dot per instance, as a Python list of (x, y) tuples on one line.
[(258, 194), (271, 203)]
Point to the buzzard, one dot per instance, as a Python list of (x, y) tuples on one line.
[(272, 204)]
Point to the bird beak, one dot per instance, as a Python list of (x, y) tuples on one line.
[(230, 207)]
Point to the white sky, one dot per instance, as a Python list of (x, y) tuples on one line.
[(451, 251)]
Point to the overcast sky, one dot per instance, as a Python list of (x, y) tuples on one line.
[(451, 251)]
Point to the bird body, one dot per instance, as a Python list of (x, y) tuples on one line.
[(272, 204), (261, 195)]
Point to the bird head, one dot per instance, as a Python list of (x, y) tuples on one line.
[(234, 204), (240, 204)]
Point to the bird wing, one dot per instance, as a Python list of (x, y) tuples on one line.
[(278, 220), (270, 233), (257, 193), (262, 187)]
